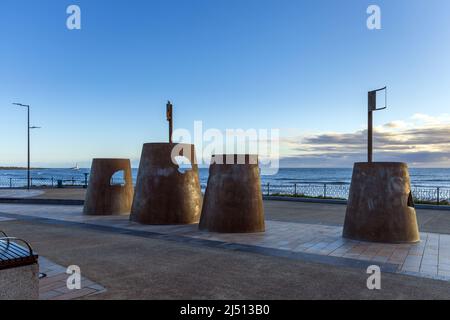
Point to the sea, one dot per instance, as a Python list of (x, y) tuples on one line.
[(434, 177)]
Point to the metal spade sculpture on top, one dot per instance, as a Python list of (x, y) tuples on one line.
[(380, 204)]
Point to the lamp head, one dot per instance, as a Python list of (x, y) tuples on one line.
[(21, 105)]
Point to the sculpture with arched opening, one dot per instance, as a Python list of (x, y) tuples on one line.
[(108, 193)]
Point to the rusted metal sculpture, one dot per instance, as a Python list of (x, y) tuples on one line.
[(380, 205), (164, 194), (233, 199), (105, 196)]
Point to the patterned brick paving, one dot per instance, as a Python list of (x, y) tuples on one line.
[(54, 287)]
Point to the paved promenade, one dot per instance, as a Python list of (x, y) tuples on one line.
[(53, 286), (20, 193), (296, 233), (429, 258)]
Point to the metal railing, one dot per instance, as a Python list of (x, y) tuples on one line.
[(439, 195), (421, 194), (313, 190), (52, 182)]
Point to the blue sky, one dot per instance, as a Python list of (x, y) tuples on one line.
[(303, 67)]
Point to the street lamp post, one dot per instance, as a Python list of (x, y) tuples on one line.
[(28, 133)]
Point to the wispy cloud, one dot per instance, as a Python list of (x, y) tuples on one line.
[(421, 141)]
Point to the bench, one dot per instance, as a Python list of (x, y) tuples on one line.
[(19, 269)]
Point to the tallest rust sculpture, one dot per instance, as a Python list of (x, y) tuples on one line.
[(164, 193), (380, 204)]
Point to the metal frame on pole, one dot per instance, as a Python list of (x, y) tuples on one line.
[(372, 106)]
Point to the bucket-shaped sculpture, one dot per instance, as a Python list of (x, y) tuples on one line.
[(233, 199), (167, 193), (380, 205), (110, 188)]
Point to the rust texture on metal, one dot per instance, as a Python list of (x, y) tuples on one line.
[(104, 196), (380, 205), (233, 199), (164, 194)]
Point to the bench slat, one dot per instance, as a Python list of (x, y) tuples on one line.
[(14, 255)]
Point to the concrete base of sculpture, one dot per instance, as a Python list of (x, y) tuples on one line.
[(380, 205), (105, 196), (166, 193), (233, 199)]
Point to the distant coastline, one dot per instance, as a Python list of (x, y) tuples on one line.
[(19, 168)]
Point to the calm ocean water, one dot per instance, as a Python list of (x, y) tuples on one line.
[(419, 177)]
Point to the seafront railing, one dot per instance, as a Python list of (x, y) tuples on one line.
[(52, 182), (305, 190), (328, 190), (340, 191)]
